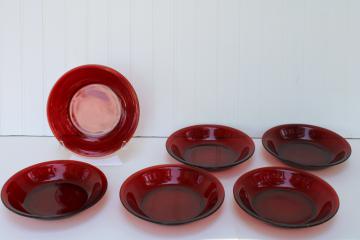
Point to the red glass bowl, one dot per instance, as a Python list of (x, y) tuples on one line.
[(93, 110), (171, 194), (213, 147), (286, 197), (306, 146), (54, 189)]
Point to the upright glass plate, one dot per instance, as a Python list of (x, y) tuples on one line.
[(93, 110)]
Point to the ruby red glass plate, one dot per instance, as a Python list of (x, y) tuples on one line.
[(171, 194), (286, 197), (306, 146), (212, 147), (93, 110), (54, 189)]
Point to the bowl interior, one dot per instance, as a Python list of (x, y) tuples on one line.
[(210, 146), (171, 194), (306, 145), (286, 197), (54, 189)]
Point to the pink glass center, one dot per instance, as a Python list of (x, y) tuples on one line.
[(95, 110)]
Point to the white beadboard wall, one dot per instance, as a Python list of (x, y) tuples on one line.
[(250, 64)]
